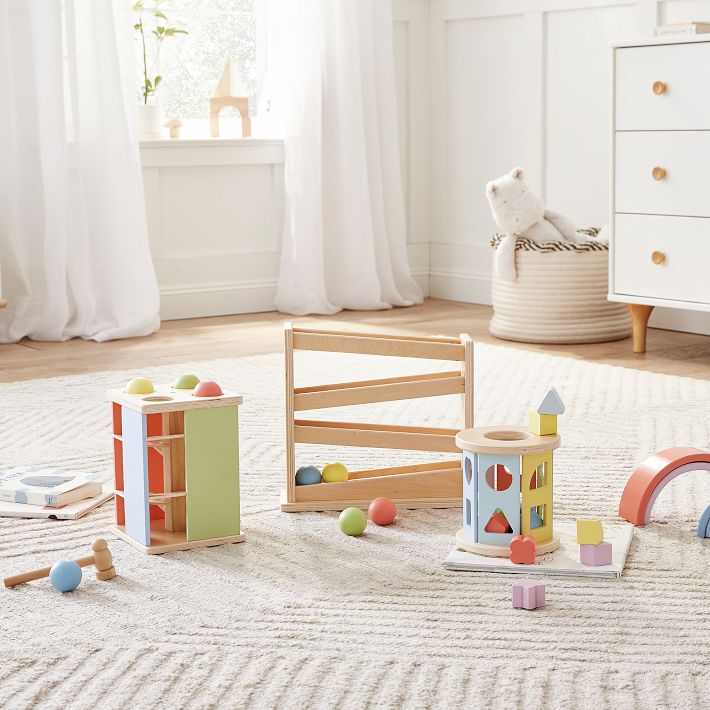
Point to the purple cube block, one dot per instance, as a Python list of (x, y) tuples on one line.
[(528, 594), (595, 555)]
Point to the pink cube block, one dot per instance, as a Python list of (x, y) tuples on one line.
[(595, 555), (528, 594)]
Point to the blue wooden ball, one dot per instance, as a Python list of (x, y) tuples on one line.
[(307, 475), (65, 575)]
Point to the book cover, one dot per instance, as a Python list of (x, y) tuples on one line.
[(50, 487), (563, 562), (683, 28)]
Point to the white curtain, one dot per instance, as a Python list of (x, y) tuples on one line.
[(345, 229), (73, 238)]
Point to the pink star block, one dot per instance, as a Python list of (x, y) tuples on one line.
[(528, 594)]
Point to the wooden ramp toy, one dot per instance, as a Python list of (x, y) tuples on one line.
[(176, 456), (428, 485), (653, 475)]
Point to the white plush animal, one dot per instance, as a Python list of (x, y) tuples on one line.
[(519, 213)]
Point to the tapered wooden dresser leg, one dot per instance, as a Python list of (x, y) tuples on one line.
[(639, 317)]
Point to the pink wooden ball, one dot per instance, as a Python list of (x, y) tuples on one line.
[(382, 511), (207, 388)]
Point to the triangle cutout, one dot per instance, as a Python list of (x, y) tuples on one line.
[(498, 523)]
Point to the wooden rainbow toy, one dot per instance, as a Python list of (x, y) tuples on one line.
[(507, 484), (653, 475), (176, 464)]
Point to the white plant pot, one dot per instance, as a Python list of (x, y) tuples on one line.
[(150, 122)]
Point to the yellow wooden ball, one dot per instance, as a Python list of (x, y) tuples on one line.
[(335, 472)]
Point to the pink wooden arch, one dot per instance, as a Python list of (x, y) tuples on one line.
[(651, 477)]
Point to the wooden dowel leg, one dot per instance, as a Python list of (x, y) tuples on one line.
[(639, 318)]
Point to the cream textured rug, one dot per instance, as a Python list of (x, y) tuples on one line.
[(301, 616)]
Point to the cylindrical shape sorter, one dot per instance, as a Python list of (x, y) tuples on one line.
[(176, 462), (507, 489)]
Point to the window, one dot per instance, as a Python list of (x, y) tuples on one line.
[(191, 64)]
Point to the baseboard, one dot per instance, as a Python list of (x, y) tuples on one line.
[(460, 286), (680, 320), (221, 299)]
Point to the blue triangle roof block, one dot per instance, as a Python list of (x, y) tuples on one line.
[(552, 404)]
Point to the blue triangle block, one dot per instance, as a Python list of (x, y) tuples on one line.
[(552, 404), (535, 519)]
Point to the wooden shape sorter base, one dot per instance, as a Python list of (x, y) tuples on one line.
[(162, 540), (426, 485), (463, 542)]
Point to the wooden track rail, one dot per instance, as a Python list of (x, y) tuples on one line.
[(415, 486)]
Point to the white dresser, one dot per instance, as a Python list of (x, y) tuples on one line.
[(660, 185)]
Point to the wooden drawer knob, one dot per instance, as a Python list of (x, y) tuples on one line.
[(659, 88), (658, 257), (658, 173)]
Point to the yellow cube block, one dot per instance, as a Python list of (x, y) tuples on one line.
[(542, 424), (590, 532)]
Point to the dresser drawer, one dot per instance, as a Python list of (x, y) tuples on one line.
[(681, 246), (666, 87), (663, 172)]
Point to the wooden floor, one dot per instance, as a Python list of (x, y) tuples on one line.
[(205, 338)]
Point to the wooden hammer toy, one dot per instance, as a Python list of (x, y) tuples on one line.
[(65, 575)]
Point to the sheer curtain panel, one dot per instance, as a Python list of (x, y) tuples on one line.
[(345, 230), (73, 235)]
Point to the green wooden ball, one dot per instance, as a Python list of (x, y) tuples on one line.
[(352, 521)]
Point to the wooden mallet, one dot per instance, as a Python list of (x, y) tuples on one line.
[(101, 559)]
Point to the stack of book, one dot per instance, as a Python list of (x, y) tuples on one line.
[(41, 492), (683, 28)]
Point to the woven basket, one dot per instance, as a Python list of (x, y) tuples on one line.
[(559, 295)]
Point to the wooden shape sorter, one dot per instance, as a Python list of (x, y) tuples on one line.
[(427, 485), (176, 463)]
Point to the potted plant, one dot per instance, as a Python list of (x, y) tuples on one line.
[(153, 28)]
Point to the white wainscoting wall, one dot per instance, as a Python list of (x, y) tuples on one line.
[(525, 82), (482, 86)]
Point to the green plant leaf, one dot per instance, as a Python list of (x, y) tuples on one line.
[(157, 81), (138, 5), (158, 13)]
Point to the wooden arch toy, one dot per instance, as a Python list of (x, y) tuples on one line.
[(653, 475), (704, 524)]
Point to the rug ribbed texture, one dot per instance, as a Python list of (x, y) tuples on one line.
[(301, 616)]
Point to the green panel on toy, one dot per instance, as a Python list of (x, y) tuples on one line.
[(140, 385), (307, 476), (352, 521), (212, 472), (186, 382)]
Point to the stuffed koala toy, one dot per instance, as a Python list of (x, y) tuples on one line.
[(519, 213)]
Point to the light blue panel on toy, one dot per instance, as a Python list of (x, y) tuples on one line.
[(470, 520), (135, 475), (535, 519), (704, 524), (489, 500)]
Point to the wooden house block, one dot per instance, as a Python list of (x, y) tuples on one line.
[(590, 532), (229, 92), (595, 555), (418, 486), (176, 467), (542, 424)]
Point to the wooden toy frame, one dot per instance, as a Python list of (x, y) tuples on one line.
[(429, 485)]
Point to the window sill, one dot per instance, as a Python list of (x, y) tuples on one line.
[(176, 152)]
